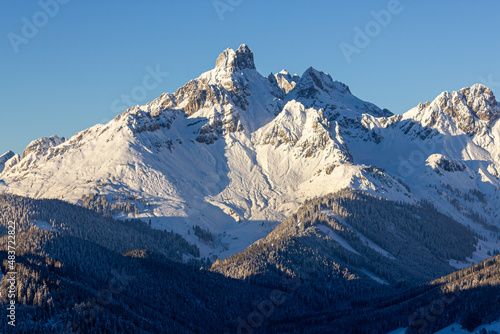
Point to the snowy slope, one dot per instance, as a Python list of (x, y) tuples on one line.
[(447, 152), (235, 152)]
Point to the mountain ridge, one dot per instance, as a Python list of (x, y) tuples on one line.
[(236, 152)]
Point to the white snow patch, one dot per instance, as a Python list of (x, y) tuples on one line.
[(364, 239), (484, 250), (457, 329), (44, 226), (331, 233), (460, 264), (398, 331), (374, 277)]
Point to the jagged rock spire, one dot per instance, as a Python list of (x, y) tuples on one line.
[(473, 109), (236, 60)]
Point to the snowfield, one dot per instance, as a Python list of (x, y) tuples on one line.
[(236, 152)]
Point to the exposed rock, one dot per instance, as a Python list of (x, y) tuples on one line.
[(285, 81), (41, 145), (4, 158), (472, 109), (232, 61), (441, 163)]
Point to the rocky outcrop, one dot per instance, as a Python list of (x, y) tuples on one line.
[(42, 145), (139, 120), (318, 90), (471, 110), (6, 156), (233, 61), (305, 131), (440, 163), (284, 80)]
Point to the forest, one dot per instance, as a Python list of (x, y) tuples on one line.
[(81, 271)]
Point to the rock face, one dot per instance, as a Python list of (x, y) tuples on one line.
[(223, 87), (234, 146), (284, 80), (6, 156), (316, 89), (471, 110), (306, 132), (313, 82), (41, 145), (470, 105), (441, 163), (233, 61)]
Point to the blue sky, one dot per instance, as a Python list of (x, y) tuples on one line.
[(71, 72)]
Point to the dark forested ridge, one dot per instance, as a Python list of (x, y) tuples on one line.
[(469, 297), (411, 246), (118, 235), (86, 273), (81, 272)]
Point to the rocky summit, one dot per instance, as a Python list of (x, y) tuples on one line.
[(244, 203)]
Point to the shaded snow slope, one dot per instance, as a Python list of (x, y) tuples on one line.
[(236, 152)]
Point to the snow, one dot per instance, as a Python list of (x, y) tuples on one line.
[(45, 226), (246, 182), (374, 277), (484, 249), (364, 239), (6, 156), (457, 329), (331, 233)]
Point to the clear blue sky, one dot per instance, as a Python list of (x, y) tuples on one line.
[(66, 77)]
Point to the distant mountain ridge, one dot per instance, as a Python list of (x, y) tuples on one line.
[(235, 152), (310, 209)]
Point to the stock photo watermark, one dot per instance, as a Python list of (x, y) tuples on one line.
[(421, 319), (31, 26), (265, 309), (11, 274), (223, 6), (363, 36), (116, 285), (489, 81), (150, 81), (416, 159)]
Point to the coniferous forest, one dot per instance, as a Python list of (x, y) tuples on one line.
[(71, 278)]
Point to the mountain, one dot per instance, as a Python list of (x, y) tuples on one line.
[(311, 209), (284, 80), (233, 153), (350, 235), (462, 302), (4, 157), (73, 278)]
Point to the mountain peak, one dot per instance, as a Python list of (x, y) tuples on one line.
[(471, 109), (6, 156), (481, 102), (314, 83), (41, 145), (232, 60), (285, 81), (284, 72)]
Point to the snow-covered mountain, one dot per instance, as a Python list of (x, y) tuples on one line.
[(235, 152), (4, 157)]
